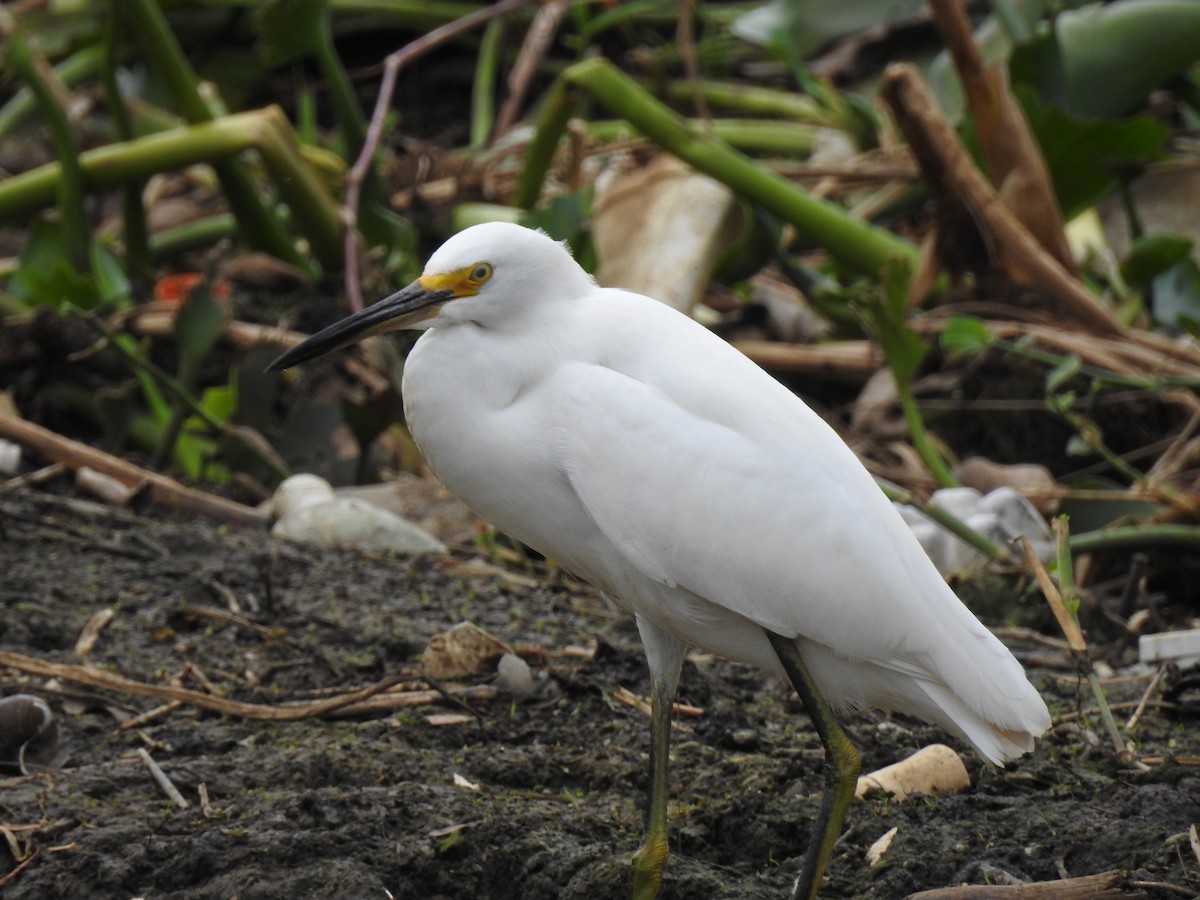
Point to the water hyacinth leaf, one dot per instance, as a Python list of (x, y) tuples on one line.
[(1088, 159), (808, 25), (1153, 254), (1100, 61)]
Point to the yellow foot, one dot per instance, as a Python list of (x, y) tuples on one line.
[(649, 863)]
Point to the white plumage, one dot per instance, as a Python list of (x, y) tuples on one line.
[(637, 449)]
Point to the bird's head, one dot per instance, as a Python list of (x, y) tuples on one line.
[(485, 274)]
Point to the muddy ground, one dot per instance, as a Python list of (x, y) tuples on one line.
[(369, 807)]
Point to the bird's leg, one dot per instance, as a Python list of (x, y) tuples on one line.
[(842, 766), (664, 652)]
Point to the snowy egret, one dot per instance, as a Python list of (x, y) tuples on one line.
[(635, 448)]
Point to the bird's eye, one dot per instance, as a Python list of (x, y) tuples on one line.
[(480, 273)]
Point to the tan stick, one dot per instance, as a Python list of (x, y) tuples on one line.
[(1013, 249), (162, 490), (161, 779), (101, 678), (1086, 887)]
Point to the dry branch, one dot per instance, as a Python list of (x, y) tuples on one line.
[(847, 360), (1086, 887), (162, 490), (160, 778), (948, 167), (350, 703), (1012, 156)]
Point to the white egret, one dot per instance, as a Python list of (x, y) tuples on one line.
[(635, 448)]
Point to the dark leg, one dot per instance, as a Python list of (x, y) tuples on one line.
[(841, 769), (665, 655)]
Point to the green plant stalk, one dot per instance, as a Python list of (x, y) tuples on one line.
[(341, 91), (70, 187), (265, 130), (1089, 433), (853, 242), (191, 236), (72, 70), (886, 317), (748, 100), (133, 213), (919, 436), (420, 15), (483, 87), (1103, 376), (373, 222), (753, 135), (1066, 581), (259, 226), (951, 523), (1138, 537), (177, 390), (1087, 430), (715, 16)]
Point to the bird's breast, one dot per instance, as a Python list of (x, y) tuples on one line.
[(479, 418)]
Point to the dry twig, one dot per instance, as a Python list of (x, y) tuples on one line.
[(162, 490)]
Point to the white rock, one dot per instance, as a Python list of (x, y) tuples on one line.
[(1001, 516), (307, 510)]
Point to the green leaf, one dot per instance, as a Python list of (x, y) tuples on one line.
[(966, 335), (289, 30), (887, 313), (1104, 60), (197, 326), (111, 281), (1062, 373), (219, 401), (46, 277), (808, 25), (1087, 159), (1153, 254)]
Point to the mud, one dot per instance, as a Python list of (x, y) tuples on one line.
[(553, 800)]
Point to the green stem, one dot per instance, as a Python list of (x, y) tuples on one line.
[(857, 244), (259, 226), (192, 236), (483, 89), (1090, 434), (265, 130), (180, 393), (72, 70), (752, 135), (1128, 538), (69, 190), (1066, 581), (1103, 376), (920, 436), (747, 100), (951, 523), (133, 212)]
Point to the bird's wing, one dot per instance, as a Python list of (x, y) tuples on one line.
[(760, 509)]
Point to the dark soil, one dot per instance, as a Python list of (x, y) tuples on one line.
[(371, 808)]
